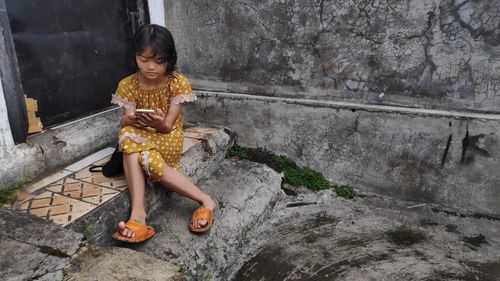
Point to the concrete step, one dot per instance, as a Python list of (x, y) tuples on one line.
[(245, 192), (33, 248), (198, 162), (41, 235)]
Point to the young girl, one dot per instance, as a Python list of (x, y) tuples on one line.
[(152, 142)]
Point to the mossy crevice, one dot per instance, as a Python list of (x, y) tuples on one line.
[(53, 251), (406, 236), (293, 174), (85, 228), (345, 191)]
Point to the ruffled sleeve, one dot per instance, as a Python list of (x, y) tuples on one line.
[(180, 90), (125, 95)]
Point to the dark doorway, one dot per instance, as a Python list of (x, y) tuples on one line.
[(72, 53)]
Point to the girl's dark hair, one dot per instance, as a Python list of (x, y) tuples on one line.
[(160, 40)]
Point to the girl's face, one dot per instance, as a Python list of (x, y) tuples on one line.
[(152, 67)]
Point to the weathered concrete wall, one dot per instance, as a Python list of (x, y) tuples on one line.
[(6, 139), (56, 147), (429, 156), (418, 53)]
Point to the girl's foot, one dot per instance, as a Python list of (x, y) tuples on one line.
[(136, 232), (127, 232), (209, 203)]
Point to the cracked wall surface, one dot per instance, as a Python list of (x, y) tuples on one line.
[(428, 158), (418, 53)]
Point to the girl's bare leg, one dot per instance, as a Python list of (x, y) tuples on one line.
[(136, 186), (181, 184)]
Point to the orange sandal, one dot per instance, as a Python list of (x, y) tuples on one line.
[(142, 232), (202, 213)]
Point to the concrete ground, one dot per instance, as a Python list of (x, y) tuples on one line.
[(259, 233), (324, 237)]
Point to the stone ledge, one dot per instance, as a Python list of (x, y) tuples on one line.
[(357, 106), (63, 144), (245, 192), (35, 247)]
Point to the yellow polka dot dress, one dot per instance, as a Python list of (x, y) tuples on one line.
[(155, 149)]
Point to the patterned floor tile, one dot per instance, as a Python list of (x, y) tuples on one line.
[(117, 182), (84, 191), (56, 207), (23, 196), (32, 188)]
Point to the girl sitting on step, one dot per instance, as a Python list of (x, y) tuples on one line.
[(151, 135)]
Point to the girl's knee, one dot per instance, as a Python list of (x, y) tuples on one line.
[(152, 163), (168, 168), (132, 156)]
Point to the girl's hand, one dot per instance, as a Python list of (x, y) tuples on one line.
[(131, 119), (159, 122), (155, 120)]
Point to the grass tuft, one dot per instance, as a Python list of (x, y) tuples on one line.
[(346, 191), (306, 177), (293, 174), (238, 151), (8, 193), (284, 162)]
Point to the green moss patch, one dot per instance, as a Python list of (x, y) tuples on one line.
[(258, 155), (346, 191), (85, 228), (8, 193), (293, 174), (184, 271)]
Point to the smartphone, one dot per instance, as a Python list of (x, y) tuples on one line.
[(141, 110)]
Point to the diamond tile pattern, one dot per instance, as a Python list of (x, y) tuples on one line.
[(117, 182), (55, 207), (83, 191), (71, 197)]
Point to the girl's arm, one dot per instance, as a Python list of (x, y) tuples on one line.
[(173, 113)]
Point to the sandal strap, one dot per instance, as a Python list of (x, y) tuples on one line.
[(137, 227), (202, 213)]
